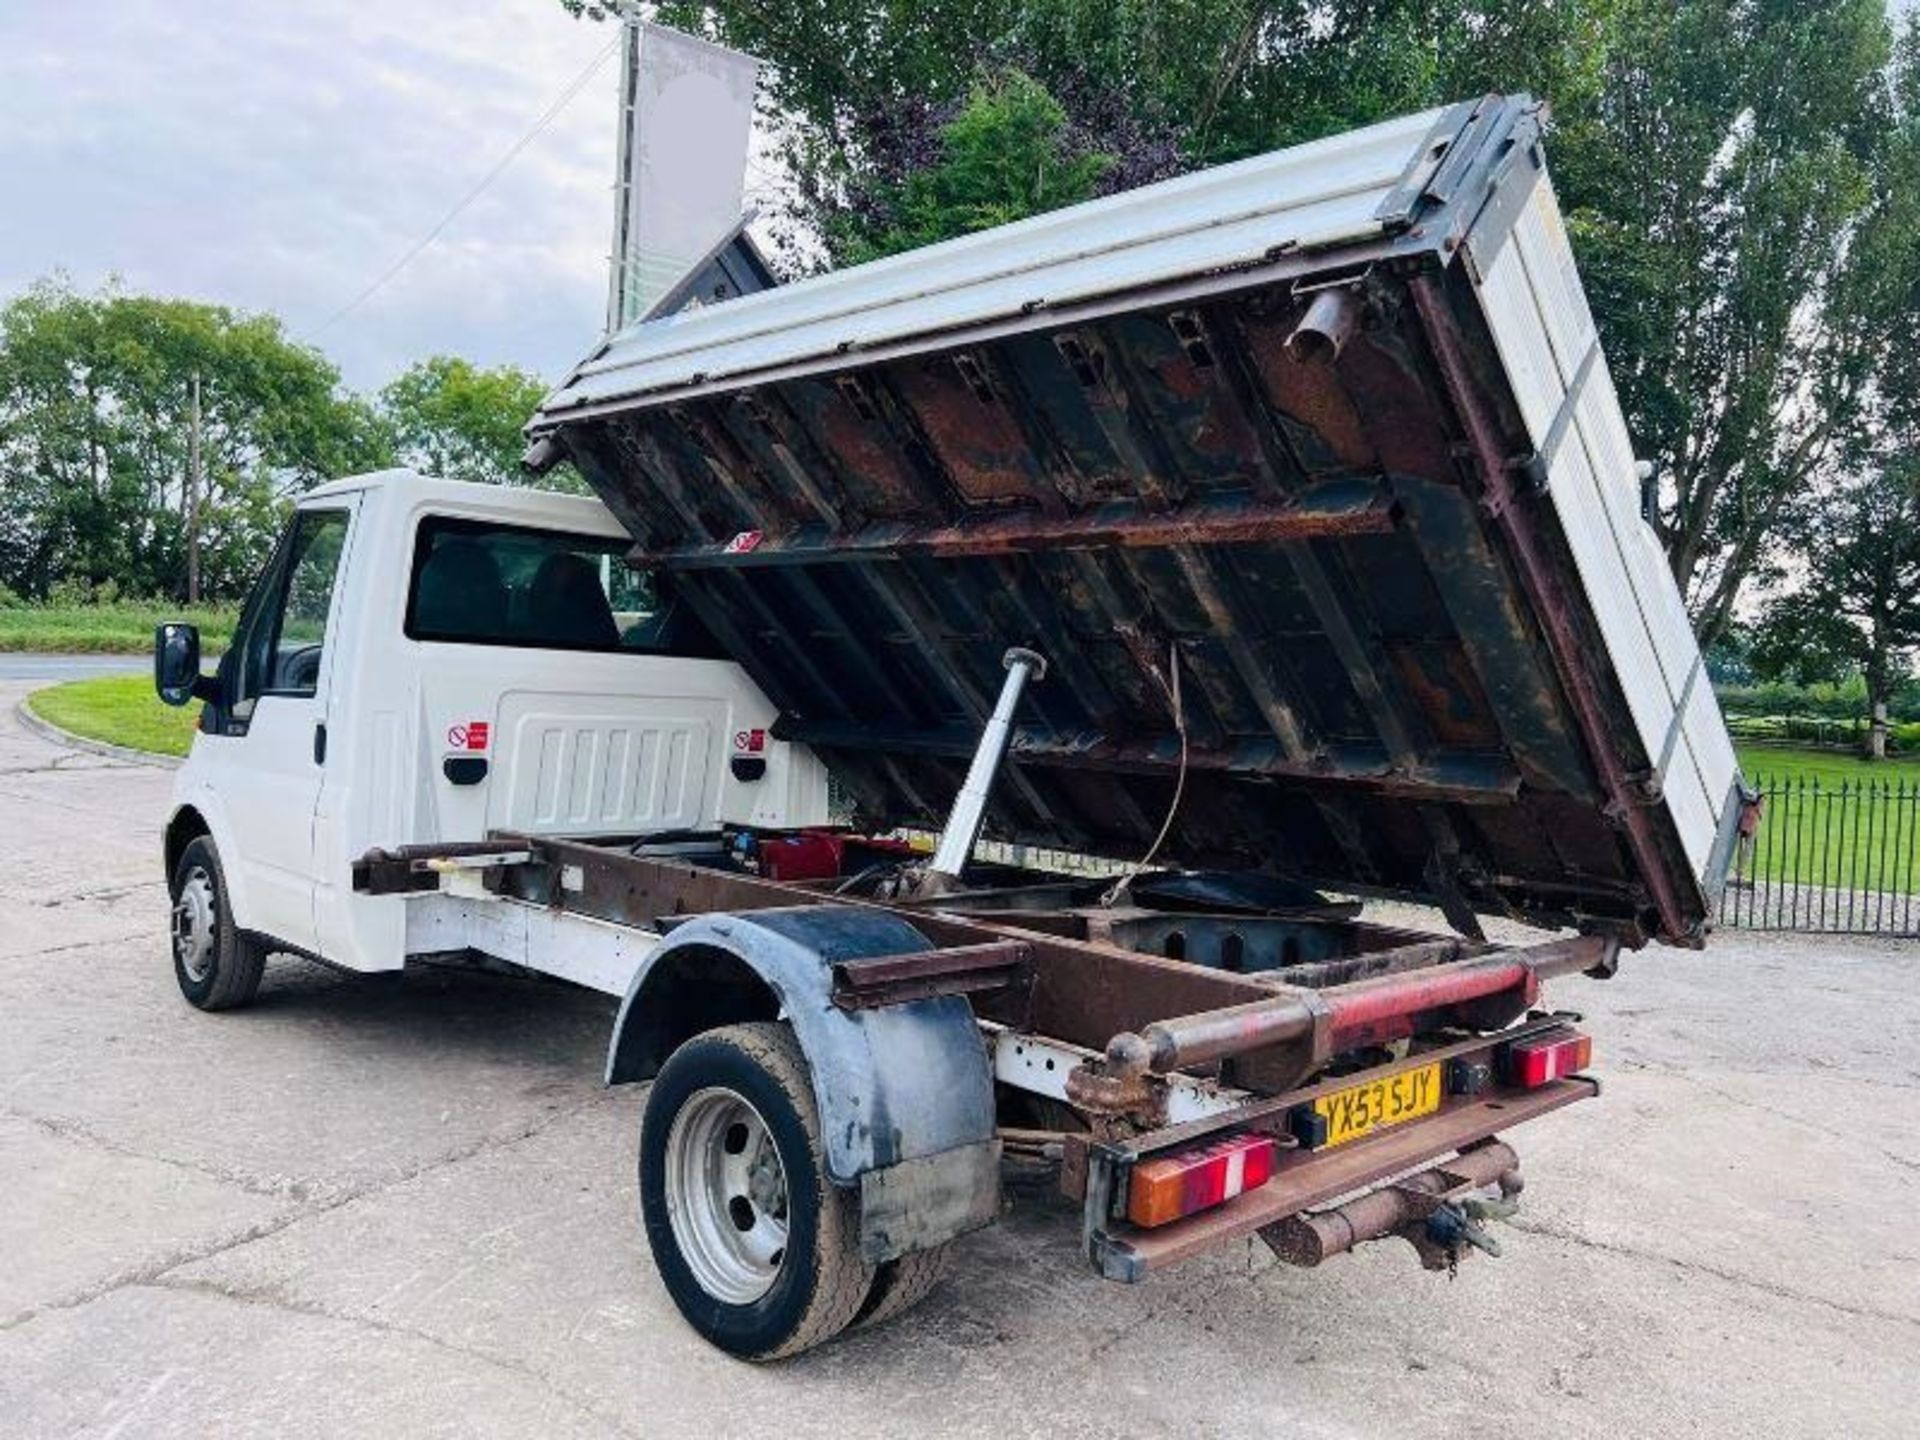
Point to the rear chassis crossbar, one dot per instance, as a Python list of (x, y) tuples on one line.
[(1302, 1180)]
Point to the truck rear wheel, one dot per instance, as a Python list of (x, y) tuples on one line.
[(759, 1250), (217, 966), (901, 1284)]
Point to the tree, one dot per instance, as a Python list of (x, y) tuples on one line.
[(1728, 195), (94, 397), (1860, 605), (1003, 155), (453, 419)]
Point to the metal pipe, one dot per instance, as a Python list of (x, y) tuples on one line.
[(1322, 332), (970, 806), (1168, 1045), (1317, 1235), (1349, 1014)]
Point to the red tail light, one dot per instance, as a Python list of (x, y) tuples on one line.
[(1550, 1055), (1169, 1186)]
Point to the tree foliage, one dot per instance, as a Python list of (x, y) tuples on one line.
[(94, 422), (94, 397), (1002, 155), (1860, 606), (452, 418), (1729, 200)]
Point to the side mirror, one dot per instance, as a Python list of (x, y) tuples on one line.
[(176, 663)]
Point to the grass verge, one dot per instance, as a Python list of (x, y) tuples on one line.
[(122, 627), (1834, 820), (119, 709), (1781, 762)]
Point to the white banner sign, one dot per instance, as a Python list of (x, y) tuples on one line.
[(687, 114)]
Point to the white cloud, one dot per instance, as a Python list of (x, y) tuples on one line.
[(280, 156)]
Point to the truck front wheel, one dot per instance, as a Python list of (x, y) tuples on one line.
[(217, 966), (759, 1250)]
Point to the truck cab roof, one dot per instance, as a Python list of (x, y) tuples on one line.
[(547, 509)]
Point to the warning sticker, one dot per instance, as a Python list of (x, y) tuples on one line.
[(749, 742), (472, 735)]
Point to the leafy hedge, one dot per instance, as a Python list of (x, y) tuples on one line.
[(101, 622)]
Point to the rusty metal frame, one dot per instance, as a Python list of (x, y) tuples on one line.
[(1329, 511), (1515, 517), (1189, 1018), (955, 970), (1145, 1013)]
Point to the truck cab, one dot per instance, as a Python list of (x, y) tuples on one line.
[(425, 661)]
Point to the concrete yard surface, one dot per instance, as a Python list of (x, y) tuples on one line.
[(404, 1207)]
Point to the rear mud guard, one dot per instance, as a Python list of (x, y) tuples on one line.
[(898, 1085)]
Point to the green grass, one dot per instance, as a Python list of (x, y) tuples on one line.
[(1815, 836), (120, 709), (122, 627), (1778, 762)]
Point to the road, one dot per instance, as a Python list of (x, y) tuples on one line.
[(405, 1208), (16, 666)]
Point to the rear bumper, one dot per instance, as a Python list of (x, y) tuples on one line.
[(1302, 1179)]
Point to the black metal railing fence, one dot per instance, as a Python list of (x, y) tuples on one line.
[(1834, 856)]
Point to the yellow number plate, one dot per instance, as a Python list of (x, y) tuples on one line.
[(1362, 1109)]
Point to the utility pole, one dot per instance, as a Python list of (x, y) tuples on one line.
[(193, 498)]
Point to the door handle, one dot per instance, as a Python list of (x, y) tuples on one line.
[(320, 743)]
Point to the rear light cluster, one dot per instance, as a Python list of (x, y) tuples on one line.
[(1550, 1055), (1167, 1187)]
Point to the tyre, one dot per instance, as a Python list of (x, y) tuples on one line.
[(759, 1250), (899, 1285), (217, 967)]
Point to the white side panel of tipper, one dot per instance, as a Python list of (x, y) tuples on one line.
[(1537, 312), (1309, 196)]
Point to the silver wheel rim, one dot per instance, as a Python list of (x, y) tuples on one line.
[(726, 1193), (193, 924)]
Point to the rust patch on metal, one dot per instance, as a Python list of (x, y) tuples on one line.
[(970, 427), (871, 471), (1439, 679), (1325, 429)]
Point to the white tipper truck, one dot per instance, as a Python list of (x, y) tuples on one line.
[(1272, 532)]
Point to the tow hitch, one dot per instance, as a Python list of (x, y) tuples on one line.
[(1441, 1212)]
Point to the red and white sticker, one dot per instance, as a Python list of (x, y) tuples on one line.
[(749, 742), (745, 541), (471, 735)]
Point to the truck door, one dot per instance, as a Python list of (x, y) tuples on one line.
[(268, 763)]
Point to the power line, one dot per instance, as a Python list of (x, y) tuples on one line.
[(547, 117)]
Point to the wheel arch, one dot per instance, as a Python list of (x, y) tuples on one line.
[(198, 813), (684, 990), (894, 1083), (186, 825)]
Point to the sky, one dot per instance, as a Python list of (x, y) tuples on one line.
[(280, 155)]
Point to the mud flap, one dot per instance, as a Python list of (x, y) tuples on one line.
[(919, 1204)]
